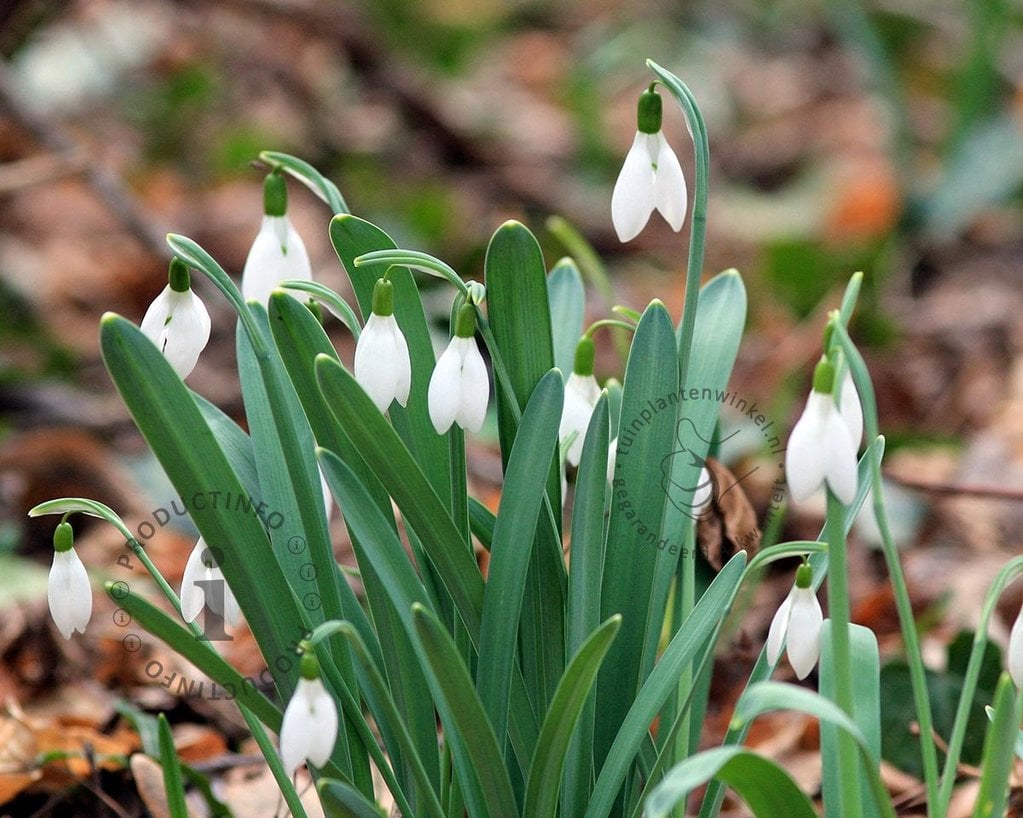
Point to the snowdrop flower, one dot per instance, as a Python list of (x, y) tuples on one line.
[(581, 394), (651, 176), (309, 728), (203, 584), (69, 592), (850, 409), (798, 622), (278, 253), (820, 449), (382, 365), (177, 321), (1014, 655), (460, 386)]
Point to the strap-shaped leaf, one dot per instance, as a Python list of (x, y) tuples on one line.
[(478, 763), (766, 788), (283, 448), (519, 312), (510, 551), (866, 713), (567, 305), (401, 476), (188, 451), (646, 436), (691, 638), (231, 683), (573, 691), (999, 747), (587, 564), (765, 697), (171, 766), (720, 319)]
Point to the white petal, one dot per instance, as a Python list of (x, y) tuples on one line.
[(704, 492), (443, 395), (328, 498), (804, 458), (297, 727), (779, 627), (156, 316), (669, 185), (232, 610), (575, 417), (321, 742), (69, 593), (585, 386), (278, 253), (804, 634), (851, 410), (840, 457), (632, 200), (475, 388), (402, 366), (378, 359), (193, 595), (581, 394), (612, 459), (1014, 655)]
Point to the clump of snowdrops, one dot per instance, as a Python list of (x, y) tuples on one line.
[(571, 686)]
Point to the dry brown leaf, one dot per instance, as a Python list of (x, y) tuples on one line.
[(730, 523)]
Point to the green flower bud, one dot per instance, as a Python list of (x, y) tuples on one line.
[(804, 576)]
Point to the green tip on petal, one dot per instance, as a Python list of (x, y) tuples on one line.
[(465, 323), (804, 576), (824, 377), (383, 297), (584, 353), (308, 667), (178, 276), (63, 537), (648, 112), (275, 194)]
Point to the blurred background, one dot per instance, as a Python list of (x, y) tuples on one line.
[(876, 135)]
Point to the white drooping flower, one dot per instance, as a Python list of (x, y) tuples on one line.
[(203, 584), (820, 450), (309, 727), (460, 386), (1014, 654), (850, 409), (177, 321), (278, 252), (382, 364), (68, 592), (797, 624), (651, 177), (581, 395)]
